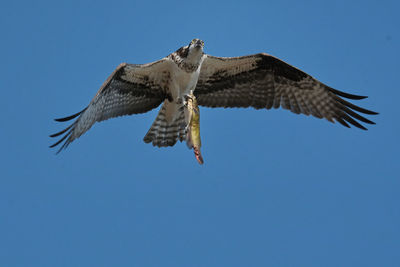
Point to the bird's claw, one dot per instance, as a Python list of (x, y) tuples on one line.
[(186, 99)]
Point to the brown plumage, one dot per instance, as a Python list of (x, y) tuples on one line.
[(263, 81), (260, 81)]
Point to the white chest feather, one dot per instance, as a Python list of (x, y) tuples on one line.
[(182, 82)]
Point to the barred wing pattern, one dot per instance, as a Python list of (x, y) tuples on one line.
[(130, 89), (263, 81)]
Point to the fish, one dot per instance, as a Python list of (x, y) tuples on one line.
[(192, 113)]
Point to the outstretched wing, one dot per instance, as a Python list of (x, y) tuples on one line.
[(263, 81), (130, 89)]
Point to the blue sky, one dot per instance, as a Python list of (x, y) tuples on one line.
[(276, 189)]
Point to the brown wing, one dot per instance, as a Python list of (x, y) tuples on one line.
[(130, 89), (263, 81)]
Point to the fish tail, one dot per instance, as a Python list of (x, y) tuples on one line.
[(198, 155)]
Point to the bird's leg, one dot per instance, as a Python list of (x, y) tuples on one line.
[(186, 100), (183, 100), (188, 97)]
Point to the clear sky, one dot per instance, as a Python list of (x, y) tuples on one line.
[(276, 189)]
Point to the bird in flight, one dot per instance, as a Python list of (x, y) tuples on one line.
[(260, 81)]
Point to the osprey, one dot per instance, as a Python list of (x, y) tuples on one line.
[(260, 81)]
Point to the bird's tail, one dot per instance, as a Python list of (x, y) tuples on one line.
[(163, 132)]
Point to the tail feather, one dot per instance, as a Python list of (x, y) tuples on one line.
[(163, 133)]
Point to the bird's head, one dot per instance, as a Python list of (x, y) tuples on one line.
[(196, 46), (194, 51), (191, 54)]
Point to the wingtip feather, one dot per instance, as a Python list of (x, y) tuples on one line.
[(70, 117), (346, 95)]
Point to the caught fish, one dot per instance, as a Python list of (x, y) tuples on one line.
[(193, 126)]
